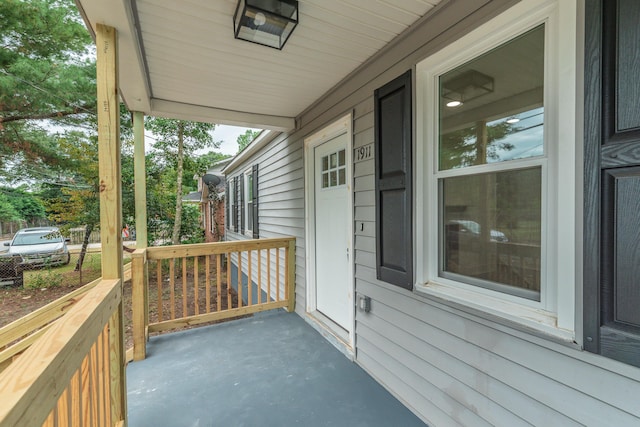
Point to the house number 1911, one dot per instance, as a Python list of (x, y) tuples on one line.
[(363, 153)]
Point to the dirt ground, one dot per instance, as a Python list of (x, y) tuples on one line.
[(18, 302)]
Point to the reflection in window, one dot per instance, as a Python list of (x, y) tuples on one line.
[(491, 107), (491, 112), (492, 228)]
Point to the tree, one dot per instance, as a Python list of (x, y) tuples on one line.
[(7, 211), (78, 202), (246, 138), (180, 139), (28, 206), (47, 73)]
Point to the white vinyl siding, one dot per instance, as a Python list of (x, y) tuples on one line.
[(281, 208), (450, 364)]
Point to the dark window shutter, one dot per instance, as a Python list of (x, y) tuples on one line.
[(612, 180), (235, 204), (254, 201), (241, 203), (227, 205), (394, 231)]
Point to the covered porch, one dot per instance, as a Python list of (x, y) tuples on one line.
[(271, 369)]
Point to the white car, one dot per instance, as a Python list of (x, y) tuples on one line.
[(39, 247)]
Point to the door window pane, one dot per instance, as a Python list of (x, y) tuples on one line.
[(334, 169)]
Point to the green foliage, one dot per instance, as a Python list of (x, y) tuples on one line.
[(43, 279), (27, 205), (46, 73), (190, 228), (7, 211), (246, 138)]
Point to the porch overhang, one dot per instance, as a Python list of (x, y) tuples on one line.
[(181, 60)]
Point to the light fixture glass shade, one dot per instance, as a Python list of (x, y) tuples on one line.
[(266, 22)]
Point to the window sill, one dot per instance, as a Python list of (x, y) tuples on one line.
[(526, 319)]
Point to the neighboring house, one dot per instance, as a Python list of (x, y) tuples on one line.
[(212, 187), (465, 199)]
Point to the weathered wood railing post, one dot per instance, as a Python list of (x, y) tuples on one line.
[(290, 255), (139, 303)]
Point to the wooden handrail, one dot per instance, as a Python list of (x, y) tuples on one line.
[(202, 249), (41, 373), (18, 335), (37, 319)]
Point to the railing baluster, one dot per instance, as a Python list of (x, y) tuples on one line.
[(184, 287), (286, 276), (249, 281), (100, 380), (239, 271), (85, 384), (195, 286), (159, 278), (268, 275), (105, 373), (172, 284), (259, 276), (62, 409), (278, 274), (76, 404), (229, 303), (218, 282), (207, 266), (93, 389)]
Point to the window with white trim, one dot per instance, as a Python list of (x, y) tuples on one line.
[(492, 194), (231, 199), (248, 201)]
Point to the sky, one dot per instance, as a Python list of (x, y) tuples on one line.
[(228, 135)]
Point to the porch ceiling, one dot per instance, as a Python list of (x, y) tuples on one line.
[(179, 58)]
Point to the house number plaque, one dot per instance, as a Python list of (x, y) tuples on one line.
[(363, 153)]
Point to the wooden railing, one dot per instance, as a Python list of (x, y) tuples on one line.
[(74, 373), (19, 335), (188, 285)]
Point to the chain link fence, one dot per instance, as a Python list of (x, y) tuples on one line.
[(15, 272)]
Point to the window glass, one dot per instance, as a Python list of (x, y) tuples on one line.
[(490, 223), (334, 169), (491, 108), (248, 204), (492, 229)]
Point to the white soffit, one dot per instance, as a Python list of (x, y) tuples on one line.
[(184, 62)]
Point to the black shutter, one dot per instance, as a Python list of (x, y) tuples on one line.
[(612, 180), (227, 206), (394, 231), (241, 203), (254, 201), (235, 204)]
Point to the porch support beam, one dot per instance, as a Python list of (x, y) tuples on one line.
[(111, 201), (140, 177), (199, 113)]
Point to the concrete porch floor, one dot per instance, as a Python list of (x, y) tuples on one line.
[(269, 370)]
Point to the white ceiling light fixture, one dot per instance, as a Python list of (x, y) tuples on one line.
[(265, 22)]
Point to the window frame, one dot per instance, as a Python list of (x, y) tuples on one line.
[(247, 203), (231, 197), (555, 313)]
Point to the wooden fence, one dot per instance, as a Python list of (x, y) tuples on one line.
[(74, 371), (187, 285)]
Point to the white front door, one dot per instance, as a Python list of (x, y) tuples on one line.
[(332, 230)]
